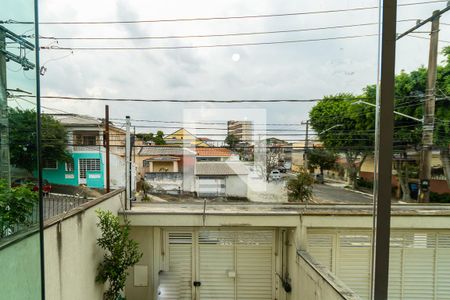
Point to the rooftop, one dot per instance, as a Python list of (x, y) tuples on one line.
[(214, 152), (221, 168), (165, 150)]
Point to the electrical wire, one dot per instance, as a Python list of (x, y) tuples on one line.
[(70, 98), (301, 13), (217, 35), (348, 37)]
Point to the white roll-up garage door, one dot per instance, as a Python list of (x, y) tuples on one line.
[(227, 265)]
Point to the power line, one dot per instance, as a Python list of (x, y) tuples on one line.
[(219, 34), (425, 38), (208, 46), (219, 17), (193, 100)]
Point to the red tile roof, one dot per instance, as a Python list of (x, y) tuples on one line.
[(213, 151)]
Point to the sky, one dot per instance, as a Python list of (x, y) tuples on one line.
[(296, 71)]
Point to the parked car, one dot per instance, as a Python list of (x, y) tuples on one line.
[(275, 175), (282, 169), (46, 186)]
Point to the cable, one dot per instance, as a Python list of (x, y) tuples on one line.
[(425, 38), (192, 100), (217, 35), (219, 17), (208, 46)]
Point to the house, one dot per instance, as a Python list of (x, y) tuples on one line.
[(215, 154), (438, 182), (88, 165), (167, 168), (216, 178), (184, 137)]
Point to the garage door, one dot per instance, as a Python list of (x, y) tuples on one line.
[(225, 265), (211, 186)]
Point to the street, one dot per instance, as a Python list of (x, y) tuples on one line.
[(335, 193)]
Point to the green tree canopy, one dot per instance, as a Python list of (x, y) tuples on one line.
[(231, 140), (322, 159), (158, 139), (346, 128), (23, 146)]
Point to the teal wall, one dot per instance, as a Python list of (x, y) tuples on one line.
[(58, 176), (20, 268)]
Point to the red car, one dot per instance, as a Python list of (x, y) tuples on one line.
[(46, 186)]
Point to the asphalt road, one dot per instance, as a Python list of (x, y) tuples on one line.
[(335, 193)]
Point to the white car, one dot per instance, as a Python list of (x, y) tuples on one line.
[(275, 175)]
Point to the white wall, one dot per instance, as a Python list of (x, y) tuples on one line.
[(236, 186), (117, 169), (71, 252)]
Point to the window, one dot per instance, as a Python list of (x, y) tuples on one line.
[(89, 140), (88, 164), (69, 166), (50, 164)]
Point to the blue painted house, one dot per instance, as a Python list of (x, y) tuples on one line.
[(85, 136)]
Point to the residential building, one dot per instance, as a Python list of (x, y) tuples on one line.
[(167, 168), (221, 179), (243, 130), (185, 138), (88, 165), (215, 154)]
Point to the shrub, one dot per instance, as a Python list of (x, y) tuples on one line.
[(361, 182), (439, 198), (121, 252), (16, 207), (300, 187)]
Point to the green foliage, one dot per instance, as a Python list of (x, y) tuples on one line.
[(354, 137), (439, 198), (322, 159), (23, 148), (157, 139), (121, 252), (365, 183), (16, 207), (300, 187), (231, 140)]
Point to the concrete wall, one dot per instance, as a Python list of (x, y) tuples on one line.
[(236, 186), (150, 260), (71, 252), (314, 282), (20, 269)]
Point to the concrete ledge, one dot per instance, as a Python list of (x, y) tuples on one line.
[(345, 292)]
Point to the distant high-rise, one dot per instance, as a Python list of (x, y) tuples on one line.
[(243, 130)]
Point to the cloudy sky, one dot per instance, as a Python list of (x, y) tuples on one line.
[(297, 70)]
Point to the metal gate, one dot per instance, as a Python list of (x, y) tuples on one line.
[(220, 265)]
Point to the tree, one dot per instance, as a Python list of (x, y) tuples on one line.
[(322, 159), (300, 187), (355, 135), (121, 253), (158, 139), (22, 133), (231, 140)]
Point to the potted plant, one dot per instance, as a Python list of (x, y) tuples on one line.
[(121, 252)]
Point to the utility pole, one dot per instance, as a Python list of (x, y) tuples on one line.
[(107, 149), (5, 56), (128, 164), (429, 109), (5, 168), (305, 156)]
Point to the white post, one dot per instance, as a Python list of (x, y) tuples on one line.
[(128, 164)]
